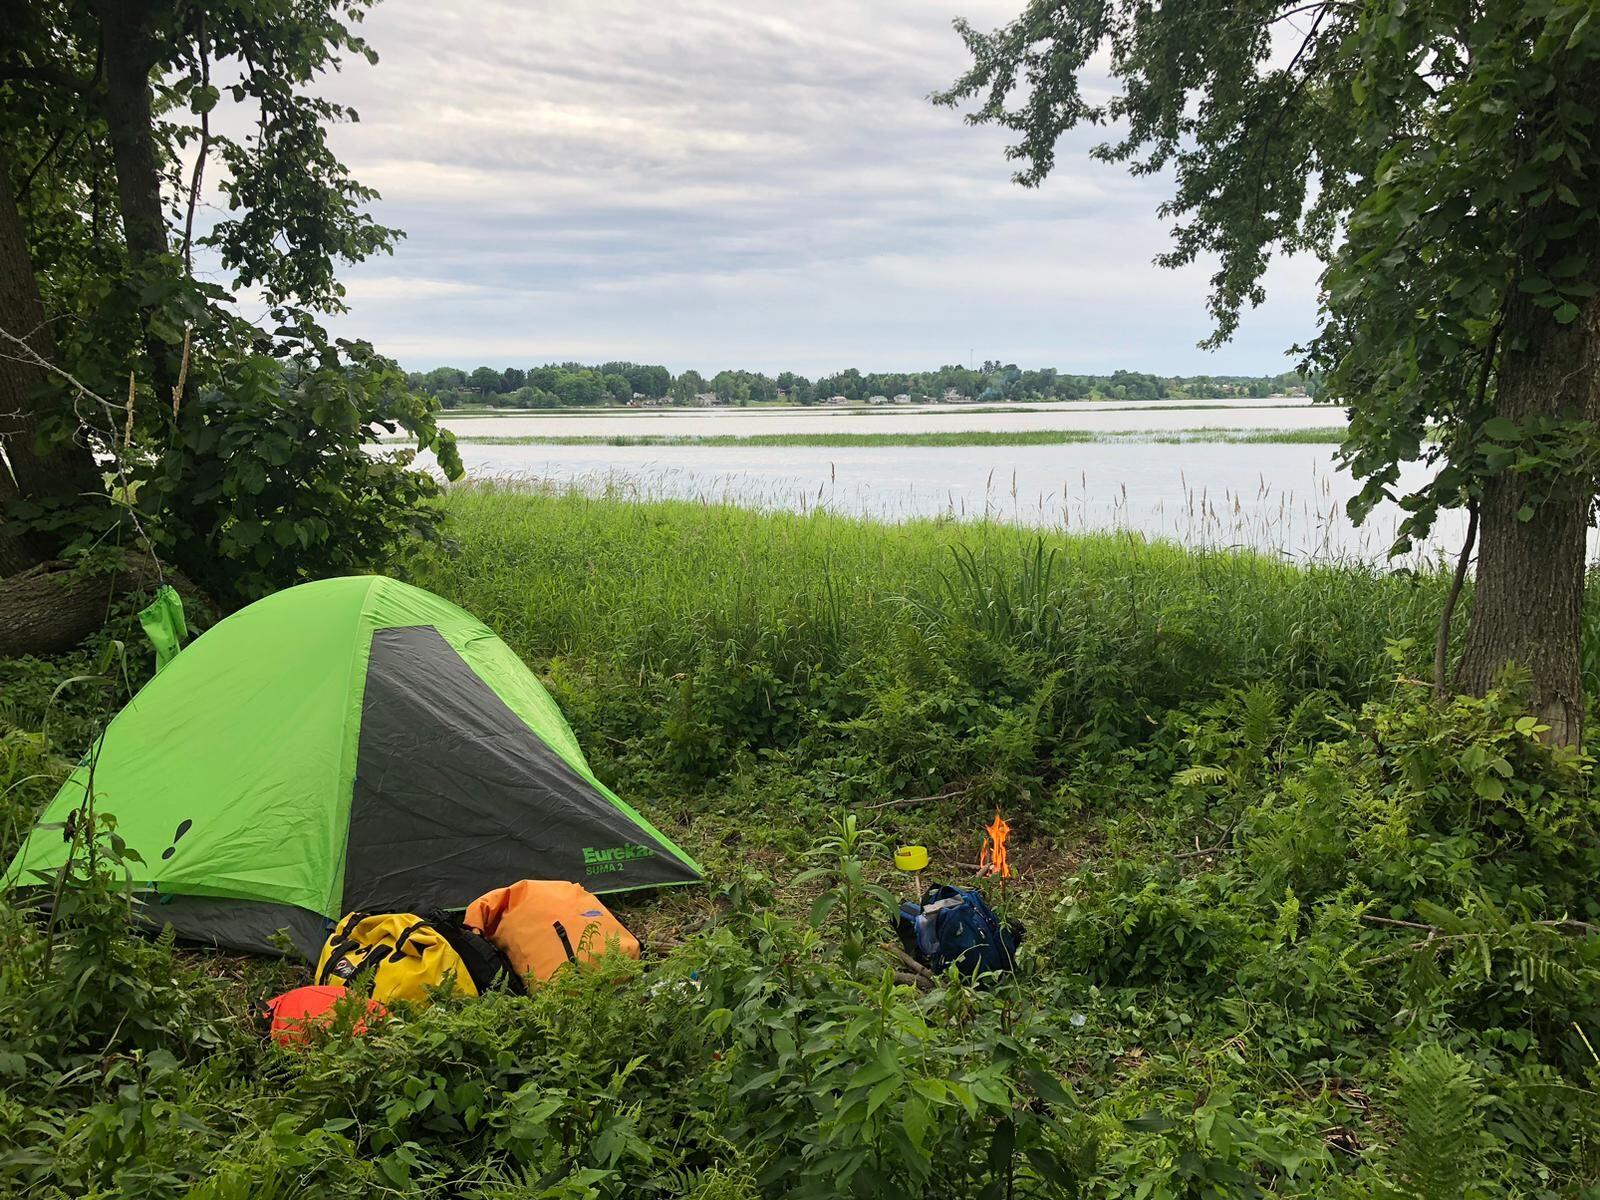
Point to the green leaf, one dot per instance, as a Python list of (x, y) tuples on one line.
[(1501, 429), (1151, 1122), (1052, 1169), (1048, 1088), (882, 1092)]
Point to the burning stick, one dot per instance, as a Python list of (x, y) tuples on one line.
[(992, 861)]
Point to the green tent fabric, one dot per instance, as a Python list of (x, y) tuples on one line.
[(350, 744)]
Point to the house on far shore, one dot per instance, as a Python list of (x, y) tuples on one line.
[(838, 400), (903, 398), (877, 399), (706, 399), (951, 396)]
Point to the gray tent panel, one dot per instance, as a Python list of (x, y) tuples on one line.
[(455, 795)]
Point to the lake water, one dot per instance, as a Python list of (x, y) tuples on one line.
[(1153, 416), (1283, 498)]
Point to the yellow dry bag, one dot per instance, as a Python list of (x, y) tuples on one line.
[(402, 954)]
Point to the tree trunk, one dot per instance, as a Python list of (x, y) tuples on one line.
[(26, 471), (130, 52), (1527, 603), (55, 605)]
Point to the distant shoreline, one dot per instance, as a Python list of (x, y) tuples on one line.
[(1041, 437), (664, 410)]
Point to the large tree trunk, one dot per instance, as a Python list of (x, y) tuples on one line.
[(130, 53), (1527, 603), (28, 471)]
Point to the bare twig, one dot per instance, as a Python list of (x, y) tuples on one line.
[(912, 964), (127, 429), (1207, 852), (1441, 645), (1437, 937), (1377, 920), (183, 375), (109, 436), (1556, 923), (908, 801)]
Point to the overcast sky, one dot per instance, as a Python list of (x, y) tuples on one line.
[(745, 183)]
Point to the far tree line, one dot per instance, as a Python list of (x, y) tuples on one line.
[(572, 384)]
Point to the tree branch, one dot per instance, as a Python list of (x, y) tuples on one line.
[(200, 157), (50, 76), (1441, 645)]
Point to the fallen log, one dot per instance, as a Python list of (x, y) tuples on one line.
[(53, 606)]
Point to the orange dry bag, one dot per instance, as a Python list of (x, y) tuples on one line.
[(542, 924)]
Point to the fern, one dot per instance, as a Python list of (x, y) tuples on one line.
[(1259, 724), (1439, 1155), (1203, 776)]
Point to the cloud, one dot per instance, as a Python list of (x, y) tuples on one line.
[(710, 183)]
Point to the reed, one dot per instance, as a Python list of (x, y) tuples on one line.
[(809, 635)]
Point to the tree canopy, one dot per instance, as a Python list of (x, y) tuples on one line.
[(568, 383), (236, 450), (1439, 157)]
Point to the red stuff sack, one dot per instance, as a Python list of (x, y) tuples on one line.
[(291, 1016)]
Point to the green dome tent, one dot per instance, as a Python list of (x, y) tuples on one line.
[(352, 744)]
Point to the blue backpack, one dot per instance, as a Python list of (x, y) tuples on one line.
[(956, 925)]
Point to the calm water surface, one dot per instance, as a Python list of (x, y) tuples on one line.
[(1288, 499), (739, 422)]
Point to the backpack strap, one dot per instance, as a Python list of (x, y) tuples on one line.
[(343, 943), (335, 956), (369, 962), (343, 929), (399, 950), (566, 942)]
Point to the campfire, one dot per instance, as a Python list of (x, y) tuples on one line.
[(992, 861)]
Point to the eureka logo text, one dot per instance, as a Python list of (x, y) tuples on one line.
[(612, 858)]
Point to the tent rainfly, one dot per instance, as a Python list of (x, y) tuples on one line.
[(353, 744)]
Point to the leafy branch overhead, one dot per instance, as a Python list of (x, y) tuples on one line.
[(1439, 158), (242, 444)]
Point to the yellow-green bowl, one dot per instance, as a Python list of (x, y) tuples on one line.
[(911, 858)]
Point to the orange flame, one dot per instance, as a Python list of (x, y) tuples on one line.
[(993, 859)]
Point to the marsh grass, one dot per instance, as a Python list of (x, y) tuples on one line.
[(718, 661), (570, 572)]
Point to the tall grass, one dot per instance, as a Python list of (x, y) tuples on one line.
[(704, 641), (660, 583)]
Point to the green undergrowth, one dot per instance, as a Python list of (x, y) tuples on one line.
[(1294, 928), (973, 437)]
